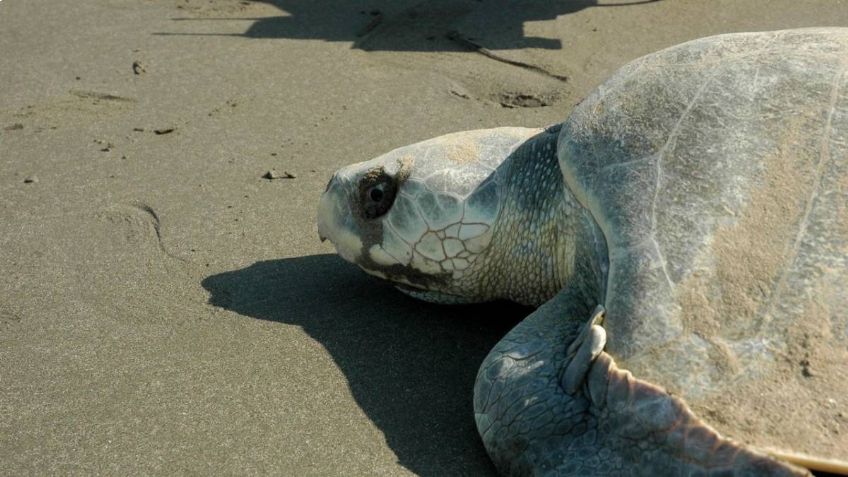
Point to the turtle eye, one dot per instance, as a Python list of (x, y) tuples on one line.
[(377, 191)]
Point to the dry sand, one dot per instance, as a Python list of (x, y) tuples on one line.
[(164, 309)]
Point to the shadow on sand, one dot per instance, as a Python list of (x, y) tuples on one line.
[(410, 365), (414, 25)]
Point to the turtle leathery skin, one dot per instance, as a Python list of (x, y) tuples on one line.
[(694, 209)]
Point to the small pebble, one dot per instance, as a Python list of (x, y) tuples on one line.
[(107, 146), (163, 131), (31, 180), (272, 174), (806, 368), (460, 94)]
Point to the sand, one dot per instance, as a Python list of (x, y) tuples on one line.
[(166, 309)]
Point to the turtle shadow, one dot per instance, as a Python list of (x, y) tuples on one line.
[(410, 365), (412, 25)]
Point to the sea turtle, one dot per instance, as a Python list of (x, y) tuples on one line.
[(697, 203)]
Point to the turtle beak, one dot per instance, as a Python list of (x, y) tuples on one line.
[(326, 210), (335, 221), (326, 217)]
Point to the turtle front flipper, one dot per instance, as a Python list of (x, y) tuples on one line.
[(649, 427), (549, 401)]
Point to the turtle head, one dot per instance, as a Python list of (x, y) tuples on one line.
[(423, 216)]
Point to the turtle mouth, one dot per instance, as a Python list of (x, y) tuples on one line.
[(421, 291), (400, 283), (432, 296), (407, 287)]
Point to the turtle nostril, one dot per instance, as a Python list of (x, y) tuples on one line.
[(330, 182)]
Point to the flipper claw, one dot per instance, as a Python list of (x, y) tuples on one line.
[(596, 319), (583, 351)]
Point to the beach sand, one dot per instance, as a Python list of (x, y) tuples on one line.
[(165, 309)]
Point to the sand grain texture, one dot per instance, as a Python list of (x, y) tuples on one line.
[(165, 310)]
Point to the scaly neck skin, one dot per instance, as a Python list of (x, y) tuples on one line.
[(543, 239)]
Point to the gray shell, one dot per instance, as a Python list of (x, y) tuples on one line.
[(718, 172)]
